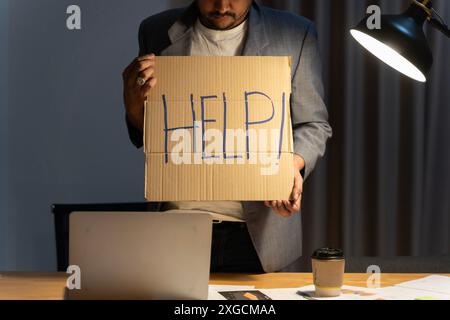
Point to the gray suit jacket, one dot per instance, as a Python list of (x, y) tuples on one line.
[(277, 240)]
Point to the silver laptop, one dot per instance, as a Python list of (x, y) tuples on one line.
[(141, 255)]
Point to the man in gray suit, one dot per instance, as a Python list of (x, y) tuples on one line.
[(269, 236)]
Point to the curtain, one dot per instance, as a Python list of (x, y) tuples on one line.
[(383, 188)]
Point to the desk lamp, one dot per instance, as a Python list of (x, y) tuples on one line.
[(401, 41)]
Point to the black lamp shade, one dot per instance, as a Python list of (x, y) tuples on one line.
[(400, 43)]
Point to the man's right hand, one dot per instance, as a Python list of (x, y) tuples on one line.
[(134, 95)]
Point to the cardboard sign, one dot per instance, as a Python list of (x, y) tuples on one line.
[(219, 128)]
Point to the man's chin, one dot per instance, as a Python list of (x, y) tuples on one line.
[(220, 25)]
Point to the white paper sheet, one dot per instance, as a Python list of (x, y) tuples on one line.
[(433, 287), (434, 283), (348, 293), (282, 294), (400, 293)]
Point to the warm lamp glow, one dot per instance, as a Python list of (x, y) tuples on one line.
[(388, 55)]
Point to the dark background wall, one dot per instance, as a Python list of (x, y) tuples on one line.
[(4, 130), (63, 135), (382, 188)]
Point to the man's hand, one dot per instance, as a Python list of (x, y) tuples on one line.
[(134, 94), (287, 208)]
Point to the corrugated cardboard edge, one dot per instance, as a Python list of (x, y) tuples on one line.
[(144, 149), (205, 195)]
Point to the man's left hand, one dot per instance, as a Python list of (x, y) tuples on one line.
[(287, 208)]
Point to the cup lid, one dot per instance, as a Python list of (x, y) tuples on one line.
[(328, 254)]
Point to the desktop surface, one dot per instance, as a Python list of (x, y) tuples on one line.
[(50, 286)]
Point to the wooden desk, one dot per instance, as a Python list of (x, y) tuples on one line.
[(50, 286)]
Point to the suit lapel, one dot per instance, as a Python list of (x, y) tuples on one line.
[(257, 36), (180, 33), (181, 47)]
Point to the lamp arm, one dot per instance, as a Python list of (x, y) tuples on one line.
[(440, 26), (439, 23)]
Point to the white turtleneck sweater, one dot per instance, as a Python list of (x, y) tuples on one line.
[(210, 42)]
